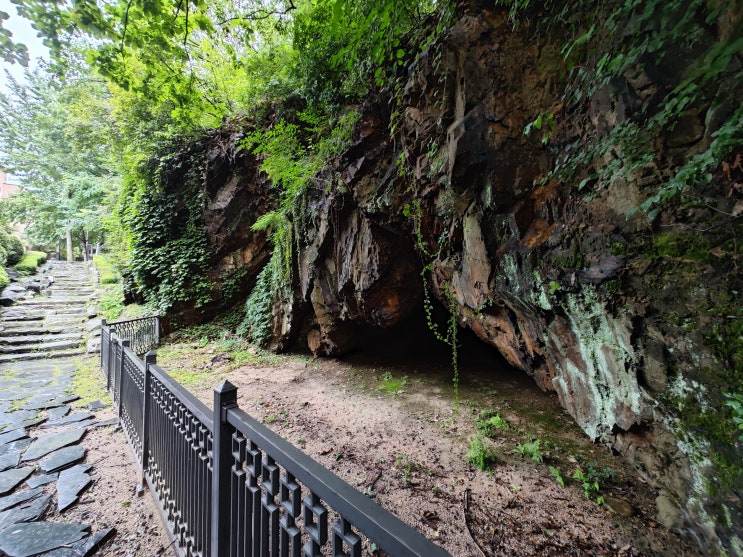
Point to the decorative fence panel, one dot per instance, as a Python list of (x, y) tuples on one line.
[(143, 334), (226, 485)]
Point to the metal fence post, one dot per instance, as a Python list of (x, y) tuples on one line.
[(122, 374), (225, 397), (103, 326), (150, 359), (157, 329)]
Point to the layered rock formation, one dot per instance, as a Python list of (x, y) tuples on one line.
[(633, 323)]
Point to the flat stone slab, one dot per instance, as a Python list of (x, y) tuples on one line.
[(70, 419), (42, 479), (13, 435), (11, 478), (50, 402), (104, 423), (62, 458), (9, 460), (96, 405), (50, 443), (85, 547), (17, 498), (59, 411), (69, 485), (25, 540), (17, 416), (25, 513), (19, 445)]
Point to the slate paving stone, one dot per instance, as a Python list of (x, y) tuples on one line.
[(13, 435), (104, 423), (9, 460), (70, 419), (17, 416), (85, 547), (96, 405), (11, 501), (49, 443), (70, 484), (25, 540), (11, 478), (59, 412), (62, 458), (41, 479), (19, 445), (25, 513)]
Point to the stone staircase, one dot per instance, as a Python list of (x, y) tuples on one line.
[(51, 324)]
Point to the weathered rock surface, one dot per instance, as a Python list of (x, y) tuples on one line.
[(625, 319)]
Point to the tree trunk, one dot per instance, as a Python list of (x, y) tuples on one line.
[(69, 246)]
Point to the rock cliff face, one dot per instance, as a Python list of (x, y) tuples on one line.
[(633, 324)]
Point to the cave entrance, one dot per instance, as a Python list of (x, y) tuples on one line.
[(411, 345)]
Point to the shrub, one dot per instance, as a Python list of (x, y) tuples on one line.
[(30, 262), (4, 280), (15, 250), (3, 256)]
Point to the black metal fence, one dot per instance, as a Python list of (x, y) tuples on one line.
[(143, 334), (228, 486)]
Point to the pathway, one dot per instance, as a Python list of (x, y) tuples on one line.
[(40, 432)]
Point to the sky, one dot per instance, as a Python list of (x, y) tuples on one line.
[(22, 33)]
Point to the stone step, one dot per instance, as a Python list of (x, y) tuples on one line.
[(40, 347), (42, 337), (41, 355), (47, 303), (22, 328), (21, 316)]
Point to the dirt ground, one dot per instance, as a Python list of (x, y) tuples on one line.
[(395, 432)]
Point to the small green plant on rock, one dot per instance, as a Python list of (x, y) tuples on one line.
[(735, 402), (481, 455)]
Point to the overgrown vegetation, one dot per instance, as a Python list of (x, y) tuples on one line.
[(685, 46), (30, 262)]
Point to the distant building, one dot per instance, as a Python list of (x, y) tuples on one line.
[(7, 185)]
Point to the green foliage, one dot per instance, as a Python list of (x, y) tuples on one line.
[(590, 477), (257, 323), (490, 422), (682, 47), (13, 247), (30, 262), (4, 279), (56, 136), (687, 246), (481, 454), (3, 256), (391, 384), (735, 403), (557, 475), (531, 449), (163, 216), (106, 269)]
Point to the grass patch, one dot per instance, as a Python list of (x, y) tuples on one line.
[(89, 381), (106, 269), (30, 262), (392, 385)]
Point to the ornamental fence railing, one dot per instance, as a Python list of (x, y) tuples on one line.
[(226, 485)]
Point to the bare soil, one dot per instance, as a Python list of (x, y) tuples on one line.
[(394, 431)]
